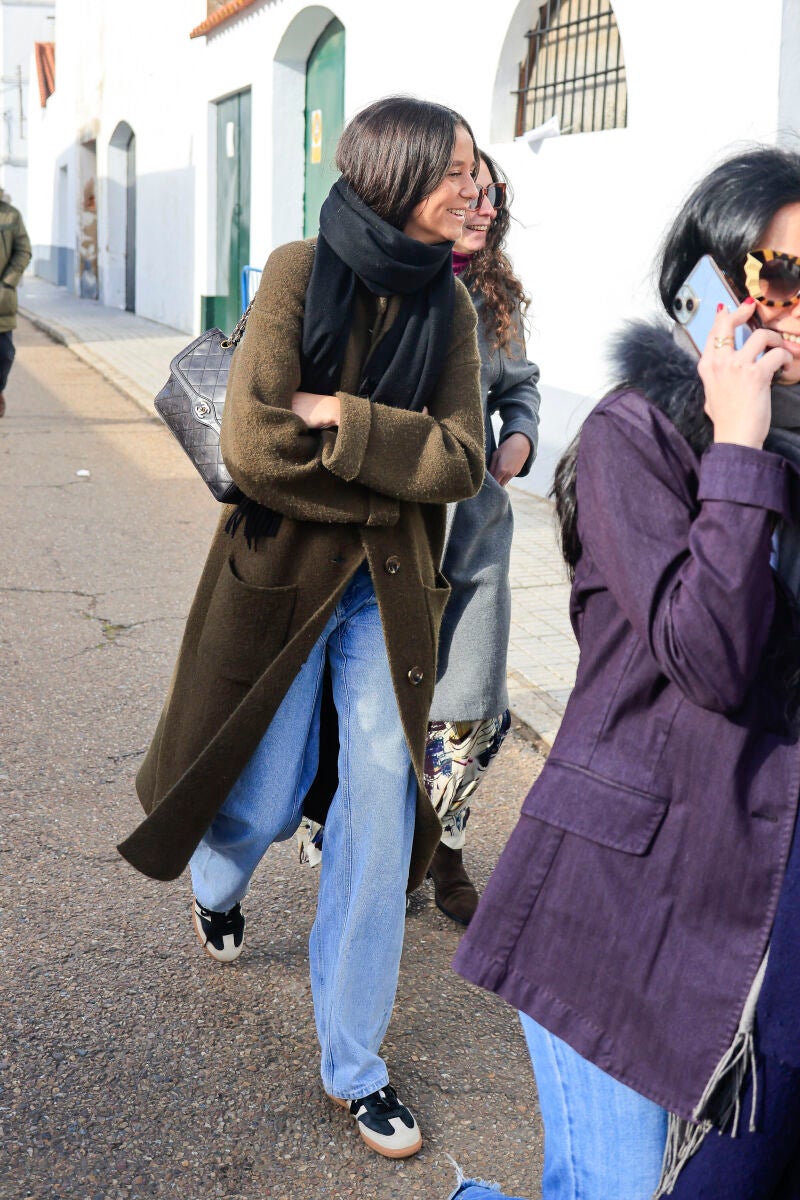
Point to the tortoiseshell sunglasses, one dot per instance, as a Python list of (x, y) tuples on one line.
[(495, 193), (772, 277)]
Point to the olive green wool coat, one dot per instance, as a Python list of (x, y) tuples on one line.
[(376, 487), (15, 254)]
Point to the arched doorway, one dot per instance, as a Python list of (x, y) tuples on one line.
[(291, 131), (324, 120), (120, 290)]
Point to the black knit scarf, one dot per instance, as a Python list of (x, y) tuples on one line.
[(404, 367)]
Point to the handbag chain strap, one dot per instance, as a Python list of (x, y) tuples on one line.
[(238, 332)]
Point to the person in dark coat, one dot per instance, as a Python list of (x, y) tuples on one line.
[(352, 418), (15, 254), (643, 916)]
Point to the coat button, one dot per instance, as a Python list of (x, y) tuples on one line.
[(337, 559), (415, 676), (392, 564)]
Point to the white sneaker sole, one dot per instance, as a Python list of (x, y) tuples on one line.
[(376, 1142), (229, 954)]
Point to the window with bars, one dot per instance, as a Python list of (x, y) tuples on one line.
[(573, 69)]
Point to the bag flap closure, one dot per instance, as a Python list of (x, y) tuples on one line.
[(201, 370)]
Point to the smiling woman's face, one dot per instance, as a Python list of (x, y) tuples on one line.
[(478, 220), (783, 233), (440, 216)]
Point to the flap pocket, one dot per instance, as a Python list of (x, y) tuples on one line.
[(8, 300), (580, 801), (245, 627)]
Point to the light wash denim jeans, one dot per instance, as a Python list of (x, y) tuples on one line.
[(357, 936), (602, 1140)]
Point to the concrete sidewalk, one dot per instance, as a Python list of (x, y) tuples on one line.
[(134, 354)]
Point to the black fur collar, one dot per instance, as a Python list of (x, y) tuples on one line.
[(646, 357)]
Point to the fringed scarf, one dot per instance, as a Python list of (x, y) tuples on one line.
[(405, 365)]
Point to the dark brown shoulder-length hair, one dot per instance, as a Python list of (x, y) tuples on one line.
[(397, 151), (491, 273)]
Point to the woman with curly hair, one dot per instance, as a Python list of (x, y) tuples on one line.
[(469, 716)]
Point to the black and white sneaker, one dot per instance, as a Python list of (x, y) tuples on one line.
[(384, 1123), (221, 933)]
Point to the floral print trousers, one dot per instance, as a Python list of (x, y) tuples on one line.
[(457, 755)]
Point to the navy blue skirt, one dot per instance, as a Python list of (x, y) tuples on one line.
[(764, 1165)]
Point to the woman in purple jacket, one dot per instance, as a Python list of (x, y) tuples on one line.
[(644, 915)]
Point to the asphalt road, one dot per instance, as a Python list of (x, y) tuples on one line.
[(133, 1066)]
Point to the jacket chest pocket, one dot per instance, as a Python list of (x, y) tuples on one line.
[(246, 626)]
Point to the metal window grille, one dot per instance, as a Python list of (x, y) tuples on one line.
[(574, 69)]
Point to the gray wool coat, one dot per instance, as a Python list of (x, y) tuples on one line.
[(473, 644)]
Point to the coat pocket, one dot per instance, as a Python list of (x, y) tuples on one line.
[(8, 300), (582, 802), (245, 627)]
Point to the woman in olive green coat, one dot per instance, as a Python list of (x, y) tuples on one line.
[(353, 416)]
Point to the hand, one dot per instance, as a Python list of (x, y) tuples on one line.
[(737, 386), (318, 412), (509, 458)]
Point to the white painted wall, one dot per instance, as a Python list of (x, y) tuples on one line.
[(22, 22), (590, 209)]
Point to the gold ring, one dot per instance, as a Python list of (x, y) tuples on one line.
[(724, 341)]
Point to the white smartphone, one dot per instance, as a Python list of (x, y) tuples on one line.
[(695, 306)]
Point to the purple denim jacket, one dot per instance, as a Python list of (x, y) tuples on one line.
[(632, 906)]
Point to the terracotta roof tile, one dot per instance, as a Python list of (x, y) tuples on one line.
[(45, 55), (231, 9)]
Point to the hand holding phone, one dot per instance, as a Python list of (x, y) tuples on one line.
[(738, 383), (696, 304)]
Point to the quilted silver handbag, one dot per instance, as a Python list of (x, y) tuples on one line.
[(191, 403)]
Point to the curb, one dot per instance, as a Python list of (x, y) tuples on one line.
[(123, 384)]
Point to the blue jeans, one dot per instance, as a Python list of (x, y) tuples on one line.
[(357, 937), (602, 1140)]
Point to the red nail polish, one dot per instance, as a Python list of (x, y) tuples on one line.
[(720, 307), (749, 300)]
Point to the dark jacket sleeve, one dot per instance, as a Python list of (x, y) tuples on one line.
[(515, 396), (270, 452), (20, 255), (429, 458), (692, 575)]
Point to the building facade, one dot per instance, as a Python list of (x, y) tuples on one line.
[(23, 23), (186, 139)]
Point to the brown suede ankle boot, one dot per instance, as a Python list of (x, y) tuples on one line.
[(455, 895)]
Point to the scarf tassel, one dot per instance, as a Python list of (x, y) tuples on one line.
[(258, 522), (720, 1106)]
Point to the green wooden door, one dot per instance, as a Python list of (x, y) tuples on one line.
[(233, 204), (324, 120)]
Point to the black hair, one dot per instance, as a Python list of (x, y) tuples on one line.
[(727, 214), (397, 151)]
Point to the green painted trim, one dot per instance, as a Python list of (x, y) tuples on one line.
[(213, 313)]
